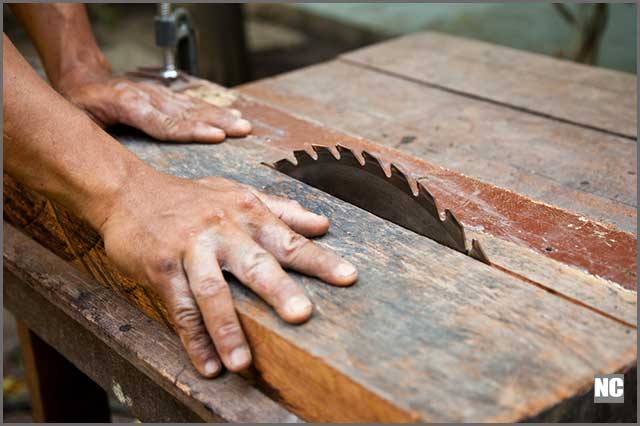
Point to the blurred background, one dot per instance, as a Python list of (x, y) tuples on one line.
[(241, 43)]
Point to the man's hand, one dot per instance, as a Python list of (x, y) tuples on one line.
[(154, 109), (79, 70), (178, 235), (173, 234)]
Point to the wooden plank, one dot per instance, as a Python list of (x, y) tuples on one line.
[(143, 398), (426, 334), (59, 391), (134, 357), (574, 168), (563, 90), (552, 231), (562, 235), (602, 296)]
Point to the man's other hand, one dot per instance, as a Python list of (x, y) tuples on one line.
[(154, 109), (178, 235)]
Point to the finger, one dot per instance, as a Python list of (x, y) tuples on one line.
[(294, 215), (296, 252), (216, 305), (185, 315), (223, 118), (170, 128), (259, 271)]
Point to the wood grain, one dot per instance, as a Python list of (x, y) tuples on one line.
[(567, 166), (118, 346), (580, 241), (426, 334), (533, 156), (557, 89)]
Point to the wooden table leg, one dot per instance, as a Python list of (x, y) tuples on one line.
[(59, 391)]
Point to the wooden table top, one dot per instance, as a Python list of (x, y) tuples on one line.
[(556, 131), (505, 140)]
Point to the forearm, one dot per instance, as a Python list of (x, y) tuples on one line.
[(63, 37), (54, 148)]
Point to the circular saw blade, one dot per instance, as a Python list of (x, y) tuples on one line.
[(364, 183)]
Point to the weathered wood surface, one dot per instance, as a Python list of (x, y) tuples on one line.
[(594, 246), (521, 152), (568, 166), (426, 333), (135, 358), (557, 89)]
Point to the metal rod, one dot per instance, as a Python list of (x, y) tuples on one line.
[(164, 10)]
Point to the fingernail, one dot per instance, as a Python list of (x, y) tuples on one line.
[(298, 305), (240, 357), (211, 367), (319, 216), (242, 125), (206, 132), (345, 270)]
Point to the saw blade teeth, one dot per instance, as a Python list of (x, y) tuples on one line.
[(302, 156), (341, 149), (285, 165), (359, 157), (372, 159), (346, 154), (330, 164), (478, 253), (309, 149), (428, 200), (322, 150), (395, 171), (334, 152), (456, 230)]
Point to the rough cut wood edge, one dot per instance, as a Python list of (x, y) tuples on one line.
[(145, 344), (594, 293), (446, 62)]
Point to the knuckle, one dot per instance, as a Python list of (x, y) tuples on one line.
[(292, 246), (228, 329), (209, 288), (188, 322), (255, 266), (163, 265), (248, 201), (199, 343), (170, 124)]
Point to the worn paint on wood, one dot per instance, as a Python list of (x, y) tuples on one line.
[(568, 166), (596, 247), (552, 88), (422, 320)]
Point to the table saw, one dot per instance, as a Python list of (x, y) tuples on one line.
[(532, 157)]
